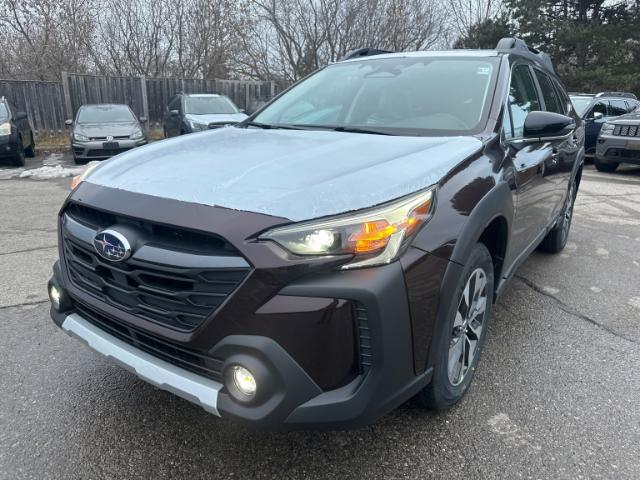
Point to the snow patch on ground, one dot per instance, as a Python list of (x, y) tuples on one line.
[(48, 172), (53, 159)]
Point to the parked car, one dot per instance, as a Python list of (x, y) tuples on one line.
[(619, 142), (103, 130), (188, 113), (337, 253), (595, 110), (16, 135)]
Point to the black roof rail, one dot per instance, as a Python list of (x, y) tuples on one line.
[(517, 45), (363, 52), (617, 94)]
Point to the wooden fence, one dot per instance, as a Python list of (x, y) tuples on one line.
[(49, 104)]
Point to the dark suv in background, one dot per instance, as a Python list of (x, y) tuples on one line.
[(597, 109), (337, 253), (188, 113), (16, 135)]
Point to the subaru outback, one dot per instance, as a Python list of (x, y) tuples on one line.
[(338, 252)]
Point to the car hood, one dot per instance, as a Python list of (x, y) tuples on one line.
[(295, 174), (628, 119), (106, 129), (217, 117)]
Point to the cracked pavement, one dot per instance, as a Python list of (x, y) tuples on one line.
[(556, 394)]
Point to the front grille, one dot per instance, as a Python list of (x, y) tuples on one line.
[(178, 297), (627, 130), (364, 337), (122, 137), (170, 352)]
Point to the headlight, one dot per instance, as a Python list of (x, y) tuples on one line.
[(78, 179), (607, 128), (5, 129), (197, 127), (375, 236), (136, 134), (80, 137)]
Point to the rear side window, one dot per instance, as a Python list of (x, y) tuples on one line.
[(565, 101), (522, 99), (551, 101), (618, 107)]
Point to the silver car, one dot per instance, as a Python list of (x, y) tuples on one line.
[(619, 142), (102, 131)]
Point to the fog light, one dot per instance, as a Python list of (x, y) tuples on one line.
[(244, 381), (55, 295)]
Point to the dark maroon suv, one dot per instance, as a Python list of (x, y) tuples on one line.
[(338, 252)]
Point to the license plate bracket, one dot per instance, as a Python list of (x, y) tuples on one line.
[(110, 145)]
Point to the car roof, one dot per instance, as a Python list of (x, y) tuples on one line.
[(431, 53)]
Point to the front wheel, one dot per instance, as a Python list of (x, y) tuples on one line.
[(460, 342), (18, 158), (606, 167)]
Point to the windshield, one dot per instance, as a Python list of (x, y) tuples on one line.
[(207, 105), (400, 95), (581, 103), (105, 114)]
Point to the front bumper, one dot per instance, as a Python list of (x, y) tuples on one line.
[(95, 150), (617, 149), (292, 398)]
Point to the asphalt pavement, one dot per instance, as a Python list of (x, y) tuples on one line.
[(556, 395)]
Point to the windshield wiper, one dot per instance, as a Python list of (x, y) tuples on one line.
[(270, 126), (342, 128)]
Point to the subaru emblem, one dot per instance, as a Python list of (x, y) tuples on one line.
[(112, 245)]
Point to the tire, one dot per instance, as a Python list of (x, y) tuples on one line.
[(452, 377), (606, 167), (30, 151), (556, 239), (18, 158)]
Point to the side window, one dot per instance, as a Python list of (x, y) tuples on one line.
[(551, 101), (564, 98), (618, 107), (600, 107), (507, 125), (522, 98)]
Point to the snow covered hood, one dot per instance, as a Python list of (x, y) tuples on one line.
[(217, 117), (295, 174)]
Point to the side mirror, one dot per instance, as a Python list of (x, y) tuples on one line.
[(598, 115), (143, 119), (544, 126), (174, 113), (20, 116), (241, 110), (68, 122)]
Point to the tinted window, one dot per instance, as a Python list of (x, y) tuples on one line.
[(415, 95), (174, 103), (565, 103), (599, 107), (618, 107), (522, 98), (4, 113), (551, 101), (204, 105), (105, 114)]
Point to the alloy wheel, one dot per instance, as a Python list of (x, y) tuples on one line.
[(467, 327)]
